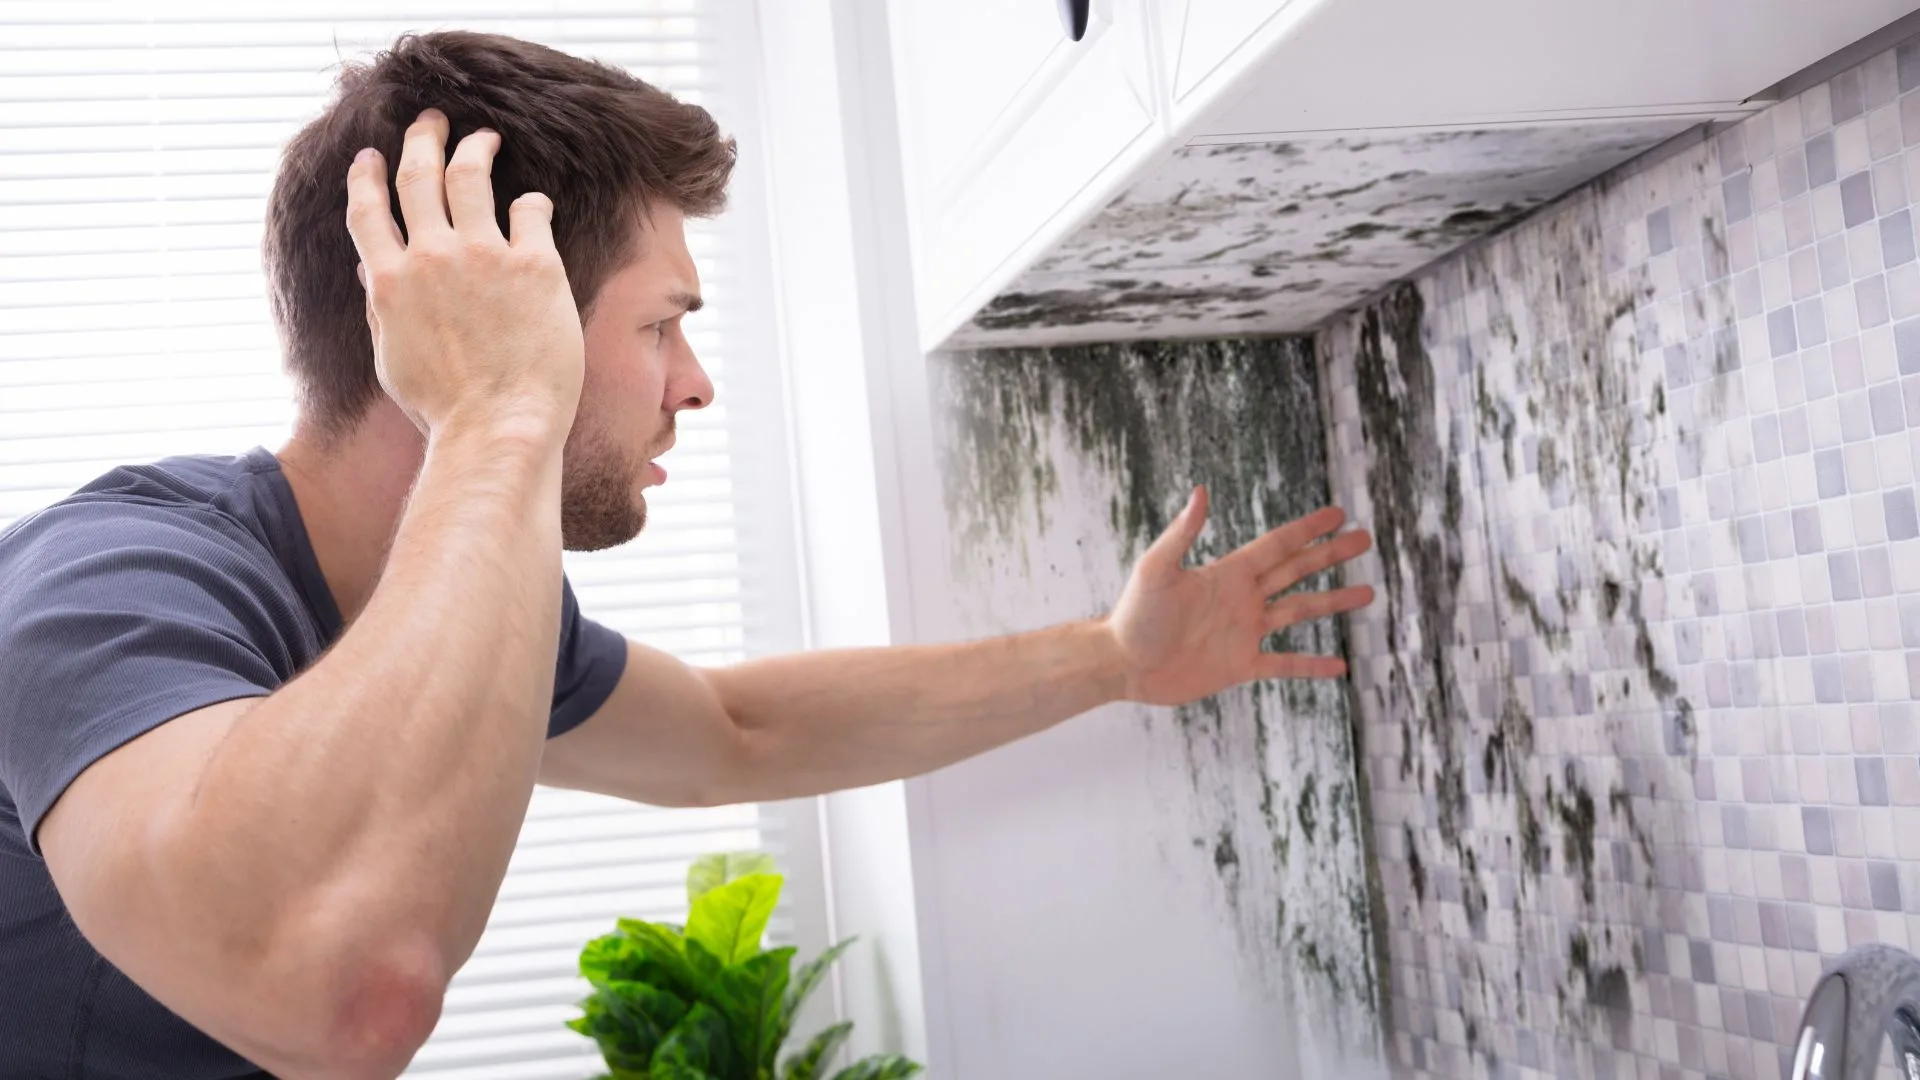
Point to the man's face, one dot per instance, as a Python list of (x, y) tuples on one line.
[(640, 372)]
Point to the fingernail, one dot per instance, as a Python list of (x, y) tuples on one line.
[(484, 131), (365, 155)]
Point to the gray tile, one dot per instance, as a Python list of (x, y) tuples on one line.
[(1816, 370), (1752, 535), (1844, 571), (1802, 933), (1829, 684), (1759, 1016), (1659, 232), (1870, 300), (1835, 267), (1820, 160), (1871, 774), (1817, 824), (1896, 239), (1906, 342), (1830, 473), (1678, 366), (1907, 56), (1856, 199), (1733, 825), (1910, 621), (1855, 890), (1844, 92), (1794, 437), (1819, 628), (1780, 335), (1795, 881), (1737, 190), (1856, 416), (1810, 317), (1806, 530), (1792, 624), (1876, 572), (1791, 168), (1888, 415), (1883, 879), (1902, 522)]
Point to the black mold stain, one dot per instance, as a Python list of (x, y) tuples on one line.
[(1393, 379), (1225, 857), (1576, 814), (1606, 988), (1309, 806), (1414, 868), (1151, 419)]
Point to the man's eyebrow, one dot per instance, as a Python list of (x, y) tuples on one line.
[(686, 301)]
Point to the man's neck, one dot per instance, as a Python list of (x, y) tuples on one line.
[(351, 491)]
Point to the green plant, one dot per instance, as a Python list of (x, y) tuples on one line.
[(706, 1002)]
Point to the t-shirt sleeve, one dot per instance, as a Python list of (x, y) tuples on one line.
[(114, 620), (592, 659)]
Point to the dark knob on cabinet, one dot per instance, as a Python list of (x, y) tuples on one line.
[(1073, 14)]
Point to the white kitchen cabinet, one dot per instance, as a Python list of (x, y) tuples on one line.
[(1013, 136), (1009, 129)]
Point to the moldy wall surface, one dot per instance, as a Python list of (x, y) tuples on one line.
[(1200, 871), (1637, 705)]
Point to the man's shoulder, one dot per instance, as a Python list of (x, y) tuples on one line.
[(201, 504)]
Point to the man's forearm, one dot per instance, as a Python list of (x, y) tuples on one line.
[(397, 770), (822, 721)]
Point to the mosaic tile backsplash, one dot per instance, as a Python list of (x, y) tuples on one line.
[(1637, 706)]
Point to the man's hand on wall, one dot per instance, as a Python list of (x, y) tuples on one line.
[(1187, 633)]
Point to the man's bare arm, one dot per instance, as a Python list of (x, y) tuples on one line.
[(672, 734), (300, 874)]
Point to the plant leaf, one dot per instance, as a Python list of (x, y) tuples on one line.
[(698, 1044), (810, 1063), (880, 1067), (709, 872), (752, 995), (665, 956), (623, 1049), (730, 919), (804, 982), (645, 1011)]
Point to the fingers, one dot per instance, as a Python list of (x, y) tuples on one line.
[(1303, 607), (470, 184), (1172, 546), (369, 214), (1312, 559), (1299, 666), (1279, 543), (530, 219), (421, 178)]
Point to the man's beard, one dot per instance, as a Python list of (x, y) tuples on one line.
[(598, 506)]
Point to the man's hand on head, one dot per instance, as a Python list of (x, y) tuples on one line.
[(1183, 634), (468, 325)]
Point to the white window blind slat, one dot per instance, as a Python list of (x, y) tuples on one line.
[(137, 146)]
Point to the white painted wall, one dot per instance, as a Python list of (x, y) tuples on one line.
[(830, 297)]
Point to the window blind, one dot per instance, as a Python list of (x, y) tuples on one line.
[(137, 145)]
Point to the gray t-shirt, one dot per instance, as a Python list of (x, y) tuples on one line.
[(154, 591)]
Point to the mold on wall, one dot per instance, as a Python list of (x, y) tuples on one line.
[(1635, 699), (1061, 466), (1267, 237)]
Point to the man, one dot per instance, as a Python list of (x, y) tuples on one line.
[(269, 724)]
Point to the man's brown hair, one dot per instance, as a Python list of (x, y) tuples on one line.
[(602, 144)]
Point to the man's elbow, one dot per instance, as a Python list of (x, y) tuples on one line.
[(366, 1012), (387, 1010)]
